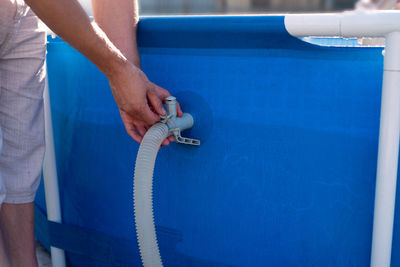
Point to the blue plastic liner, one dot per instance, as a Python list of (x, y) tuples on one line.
[(285, 174)]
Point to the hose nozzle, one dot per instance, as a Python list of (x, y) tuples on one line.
[(177, 124)]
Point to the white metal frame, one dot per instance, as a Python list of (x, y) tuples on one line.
[(50, 180), (371, 24)]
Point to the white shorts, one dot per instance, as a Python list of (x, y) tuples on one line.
[(22, 80)]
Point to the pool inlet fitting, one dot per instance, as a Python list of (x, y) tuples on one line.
[(143, 178)]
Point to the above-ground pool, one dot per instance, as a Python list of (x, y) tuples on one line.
[(284, 176)]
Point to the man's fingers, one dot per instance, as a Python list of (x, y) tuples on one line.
[(178, 109), (162, 93), (134, 135), (141, 130), (147, 116), (130, 127), (156, 102), (165, 142)]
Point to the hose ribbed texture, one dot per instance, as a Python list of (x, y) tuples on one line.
[(143, 195)]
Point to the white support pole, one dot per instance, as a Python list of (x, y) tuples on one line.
[(51, 180), (388, 154)]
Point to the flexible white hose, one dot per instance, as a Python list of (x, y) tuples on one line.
[(143, 195)]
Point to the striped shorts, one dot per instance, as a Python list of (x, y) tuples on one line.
[(22, 80)]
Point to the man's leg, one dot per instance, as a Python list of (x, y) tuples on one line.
[(17, 224), (22, 125), (4, 259), (7, 13)]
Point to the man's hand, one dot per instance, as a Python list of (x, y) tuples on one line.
[(119, 21), (139, 100)]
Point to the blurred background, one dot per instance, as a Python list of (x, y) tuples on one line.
[(241, 6), (191, 7)]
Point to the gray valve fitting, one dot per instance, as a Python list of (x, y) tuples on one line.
[(177, 124)]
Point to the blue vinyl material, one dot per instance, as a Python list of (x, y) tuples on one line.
[(285, 175)]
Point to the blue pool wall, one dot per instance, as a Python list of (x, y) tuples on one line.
[(285, 174)]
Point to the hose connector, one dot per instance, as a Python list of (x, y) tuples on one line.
[(177, 124)]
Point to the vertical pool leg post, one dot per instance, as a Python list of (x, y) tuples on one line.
[(50, 180), (388, 153)]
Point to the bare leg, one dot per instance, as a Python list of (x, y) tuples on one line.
[(4, 260), (18, 227)]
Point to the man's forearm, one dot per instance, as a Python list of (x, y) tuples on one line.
[(119, 20), (139, 100), (68, 20)]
